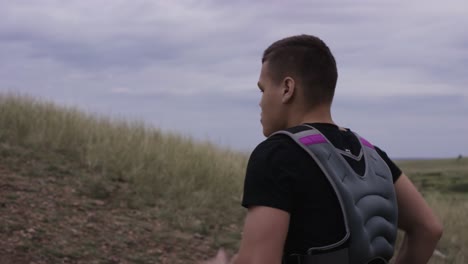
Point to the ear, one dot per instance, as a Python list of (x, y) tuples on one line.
[(289, 88)]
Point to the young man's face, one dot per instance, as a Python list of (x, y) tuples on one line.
[(272, 116)]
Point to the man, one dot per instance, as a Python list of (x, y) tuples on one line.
[(299, 210)]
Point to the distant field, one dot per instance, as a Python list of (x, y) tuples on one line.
[(443, 175), (444, 183), (76, 188)]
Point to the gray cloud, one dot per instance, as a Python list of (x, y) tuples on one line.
[(198, 62)]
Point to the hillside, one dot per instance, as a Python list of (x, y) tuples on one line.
[(48, 220), (79, 188)]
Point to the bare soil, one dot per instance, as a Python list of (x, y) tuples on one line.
[(47, 219)]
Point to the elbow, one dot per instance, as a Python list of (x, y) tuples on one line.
[(433, 230), (437, 229), (428, 230)]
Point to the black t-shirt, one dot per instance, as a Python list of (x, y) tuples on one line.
[(280, 174)]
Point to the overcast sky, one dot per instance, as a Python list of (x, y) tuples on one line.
[(192, 66)]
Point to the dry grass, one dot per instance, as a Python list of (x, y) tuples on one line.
[(453, 210), (191, 181), (444, 184), (195, 186)]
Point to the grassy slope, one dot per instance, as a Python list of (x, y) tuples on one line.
[(82, 189), (177, 184)]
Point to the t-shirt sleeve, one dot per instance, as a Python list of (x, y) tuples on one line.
[(396, 171), (267, 182)]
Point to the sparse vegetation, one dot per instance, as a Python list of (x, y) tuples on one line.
[(444, 182), (78, 188)]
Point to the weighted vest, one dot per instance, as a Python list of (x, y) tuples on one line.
[(368, 202)]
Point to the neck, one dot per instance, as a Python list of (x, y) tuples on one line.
[(319, 114)]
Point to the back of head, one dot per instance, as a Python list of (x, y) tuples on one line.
[(309, 61)]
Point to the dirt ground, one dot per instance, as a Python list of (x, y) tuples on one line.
[(47, 220)]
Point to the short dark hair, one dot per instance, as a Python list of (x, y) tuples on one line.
[(307, 59)]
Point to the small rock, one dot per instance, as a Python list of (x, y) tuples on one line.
[(439, 254), (99, 202), (198, 236)]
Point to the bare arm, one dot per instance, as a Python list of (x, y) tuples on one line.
[(263, 237), (422, 228)]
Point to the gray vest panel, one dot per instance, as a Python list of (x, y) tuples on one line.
[(368, 202)]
